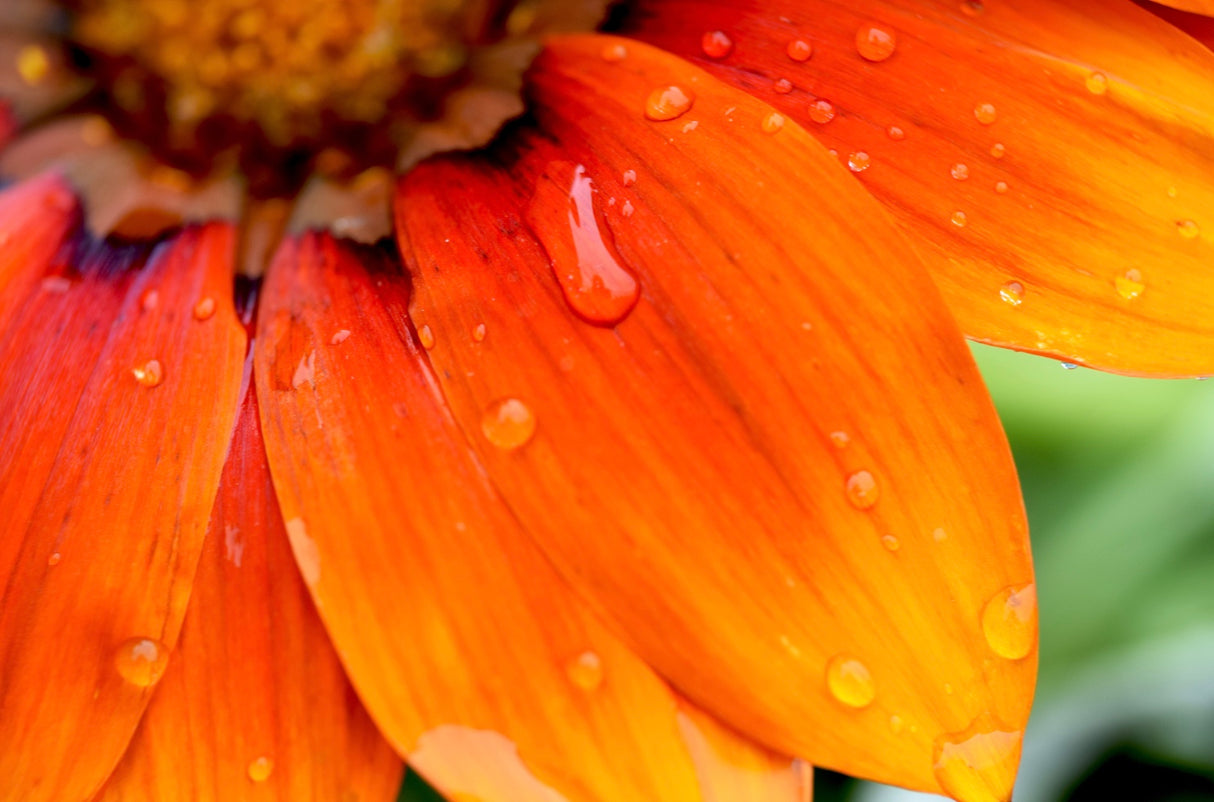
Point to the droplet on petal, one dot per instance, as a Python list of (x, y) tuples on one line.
[(1097, 83), (149, 374), (997, 150), (773, 122), (630, 177), (875, 43), (980, 762), (821, 111), (985, 113), (668, 103), (204, 309), (339, 337), (1001, 187), (782, 86), (716, 44), (840, 439), (1188, 229), (614, 53), (849, 681), (479, 332), (1129, 286), (426, 337), (959, 219), (585, 671), (141, 661), (508, 423), (1012, 293), (54, 558), (862, 490), (959, 171), (799, 50), (1009, 622), (858, 162), (890, 542), (260, 768), (895, 133)]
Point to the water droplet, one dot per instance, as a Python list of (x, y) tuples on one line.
[(585, 671), (782, 86), (668, 103), (985, 113), (149, 301), (204, 309), (895, 133), (939, 534), (508, 423), (141, 661), (1012, 293), (959, 219), (959, 171), (840, 439), (260, 769), (1009, 622), (1001, 187), (614, 53), (339, 337), (1097, 83), (1129, 286), (584, 259), (630, 177), (862, 490), (799, 50), (858, 162), (821, 111), (875, 43), (54, 558), (1188, 229), (305, 371), (773, 122), (627, 209), (1068, 365), (978, 763), (426, 337), (691, 126), (972, 8), (479, 332), (998, 149), (149, 374), (890, 542), (716, 44), (849, 681)]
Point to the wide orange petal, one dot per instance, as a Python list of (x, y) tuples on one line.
[(254, 705), (1053, 159), (115, 416), (781, 465), (475, 659)]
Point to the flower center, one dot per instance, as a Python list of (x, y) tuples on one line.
[(281, 88)]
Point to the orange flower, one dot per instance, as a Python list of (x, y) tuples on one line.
[(643, 453)]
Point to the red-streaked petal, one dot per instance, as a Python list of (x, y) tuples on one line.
[(1198, 26), (1205, 7), (475, 659), (1053, 159), (705, 469), (106, 483), (254, 704)]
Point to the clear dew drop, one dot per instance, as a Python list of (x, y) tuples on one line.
[(1001, 187), (1097, 83), (425, 335), (821, 111), (959, 171), (1188, 229), (260, 769), (959, 219), (875, 42), (1012, 293), (339, 337), (998, 150), (862, 490), (1009, 621), (849, 681), (782, 86), (978, 763), (149, 300), (141, 661), (508, 423), (773, 122), (479, 332), (629, 178), (716, 44), (890, 543), (840, 439), (799, 50), (614, 53), (895, 133), (54, 559), (149, 374), (985, 113), (585, 671), (204, 309), (1130, 285), (668, 103), (858, 162)]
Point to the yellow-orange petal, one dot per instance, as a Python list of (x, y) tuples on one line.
[(476, 660), (684, 470), (106, 484), (254, 704), (1090, 157)]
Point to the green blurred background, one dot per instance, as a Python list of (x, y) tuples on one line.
[(1118, 479)]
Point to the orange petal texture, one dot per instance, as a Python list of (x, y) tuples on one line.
[(254, 704), (115, 414), (1052, 160), (713, 381), (475, 659), (1205, 7), (1198, 26)]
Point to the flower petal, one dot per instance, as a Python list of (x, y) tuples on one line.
[(1198, 26), (474, 658), (723, 468), (1053, 159), (255, 704), (111, 466), (1205, 7)]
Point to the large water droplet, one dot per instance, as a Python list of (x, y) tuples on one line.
[(614, 53), (668, 103), (998, 150), (890, 542), (1129, 286), (425, 335), (149, 374), (858, 162), (260, 768), (821, 111), (1009, 621), (584, 259), (782, 86), (875, 42), (959, 219), (849, 681), (862, 490), (585, 671), (141, 661), (1188, 229), (716, 44), (799, 50), (204, 309), (1012, 293), (959, 171), (1097, 83), (773, 122), (985, 113), (978, 764), (508, 423)]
